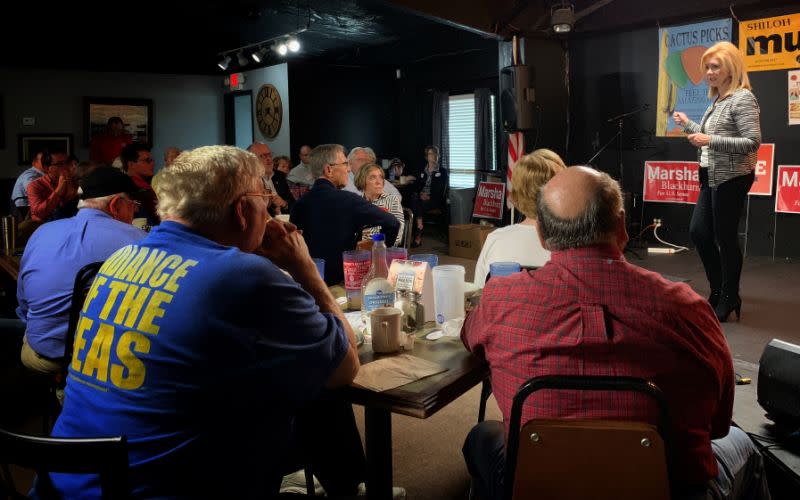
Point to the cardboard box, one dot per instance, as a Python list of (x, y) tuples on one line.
[(466, 240)]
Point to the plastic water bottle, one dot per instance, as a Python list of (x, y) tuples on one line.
[(376, 291)]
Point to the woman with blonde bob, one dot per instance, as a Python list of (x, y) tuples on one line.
[(727, 139), (520, 242), (369, 180)]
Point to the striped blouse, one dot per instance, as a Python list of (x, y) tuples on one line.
[(735, 130), (389, 203)]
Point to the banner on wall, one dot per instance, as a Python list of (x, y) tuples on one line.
[(762, 186), (681, 80), (671, 181), (794, 95), (489, 200), (787, 199), (770, 43)]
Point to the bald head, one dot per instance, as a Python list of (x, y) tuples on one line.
[(569, 192), (581, 207)]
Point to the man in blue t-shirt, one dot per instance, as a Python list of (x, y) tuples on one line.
[(197, 347)]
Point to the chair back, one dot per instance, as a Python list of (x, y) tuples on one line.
[(83, 281), (408, 229), (107, 457), (588, 458)]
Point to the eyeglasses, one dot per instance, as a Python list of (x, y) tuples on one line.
[(135, 203), (345, 163), (267, 196)]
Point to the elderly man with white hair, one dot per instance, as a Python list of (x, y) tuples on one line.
[(197, 347), (359, 157), (58, 250)]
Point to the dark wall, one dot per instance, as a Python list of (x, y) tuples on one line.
[(370, 106), (617, 73)]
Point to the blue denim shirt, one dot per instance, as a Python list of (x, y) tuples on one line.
[(53, 256), (19, 195)]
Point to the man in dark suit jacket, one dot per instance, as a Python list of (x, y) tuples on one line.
[(274, 180), (332, 219)]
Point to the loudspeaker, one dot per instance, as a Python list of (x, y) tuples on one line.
[(516, 97), (779, 382)]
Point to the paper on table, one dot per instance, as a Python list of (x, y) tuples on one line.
[(394, 371)]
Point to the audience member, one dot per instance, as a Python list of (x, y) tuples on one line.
[(106, 146), (275, 182), (196, 346), (301, 173), (396, 168), (359, 157), (332, 219), (19, 195), (589, 312), (370, 181), (282, 164), (54, 196), (430, 191), (299, 177), (58, 250), (169, 155), (138, 163), (520, 242), (84, 168)]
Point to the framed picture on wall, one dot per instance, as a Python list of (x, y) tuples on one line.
[(30, 144), (136, 115)]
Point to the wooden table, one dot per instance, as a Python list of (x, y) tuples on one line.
[(419, 399), (10, 265)]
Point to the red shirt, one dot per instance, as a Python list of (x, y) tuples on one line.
[(589, 312), (147, 197), (43, 198), (104, 147)]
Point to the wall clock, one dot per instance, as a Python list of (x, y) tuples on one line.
[(269, 110)]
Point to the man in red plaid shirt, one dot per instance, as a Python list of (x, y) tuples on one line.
[(589, 312)]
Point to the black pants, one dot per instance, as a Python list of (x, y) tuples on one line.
[(330, 443), (714, 230)]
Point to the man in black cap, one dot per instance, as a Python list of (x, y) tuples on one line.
[(58, 250)]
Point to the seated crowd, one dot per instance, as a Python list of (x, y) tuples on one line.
[(212, 343)]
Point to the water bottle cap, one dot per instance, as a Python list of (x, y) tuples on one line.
[(379, 237)]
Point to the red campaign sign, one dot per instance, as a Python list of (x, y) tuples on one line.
[(787, 200), (764, 168), (671, 181), (489, 200)]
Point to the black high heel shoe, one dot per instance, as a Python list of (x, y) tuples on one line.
[(713, 299), (726, 306)]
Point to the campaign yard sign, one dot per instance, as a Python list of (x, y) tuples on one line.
[(489, 200), (762, 186), (671, 181), (787, 199)]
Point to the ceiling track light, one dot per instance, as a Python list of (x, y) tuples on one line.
[(223, 64), (259, 54), (562, 17), (282, 44)]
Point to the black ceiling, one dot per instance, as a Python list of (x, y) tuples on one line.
[(184, 36)]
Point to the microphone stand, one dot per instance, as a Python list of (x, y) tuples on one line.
[(618, 136), (620, 119)]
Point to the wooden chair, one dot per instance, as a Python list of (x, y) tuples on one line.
[(587, 458), (107, 457)]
